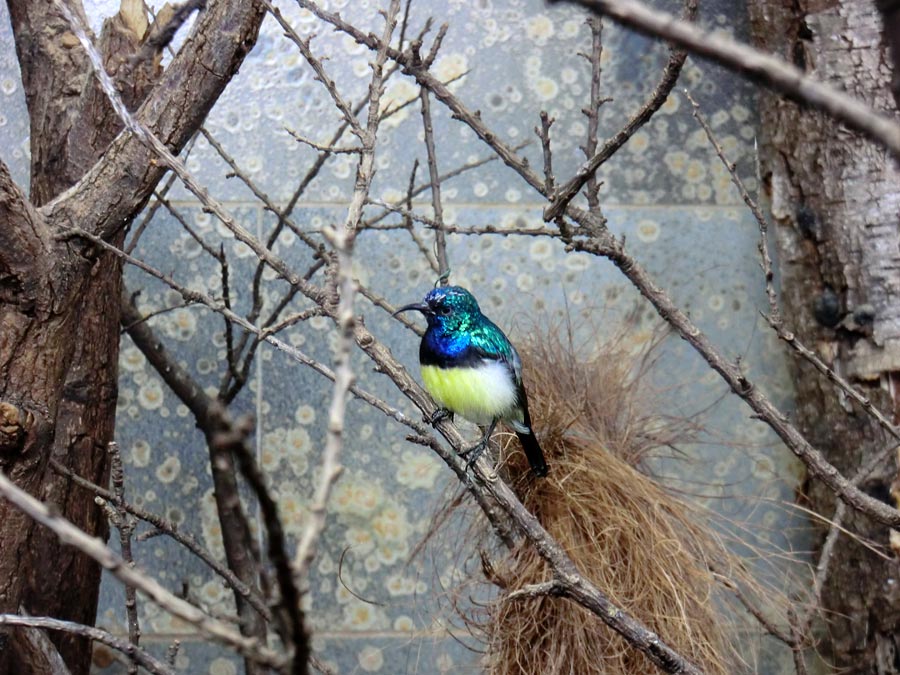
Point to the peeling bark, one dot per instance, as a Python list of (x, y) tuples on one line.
[(836, 203), (59, 299)]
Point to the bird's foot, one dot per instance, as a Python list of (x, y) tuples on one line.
[(472, 454), (439, 415)]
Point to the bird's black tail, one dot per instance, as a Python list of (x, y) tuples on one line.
[(533, 452)]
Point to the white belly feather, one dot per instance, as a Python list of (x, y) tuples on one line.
[(480, 394)]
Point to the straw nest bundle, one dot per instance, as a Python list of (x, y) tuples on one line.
[(647, 549)]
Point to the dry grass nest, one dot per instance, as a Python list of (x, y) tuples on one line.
[(650, 551)]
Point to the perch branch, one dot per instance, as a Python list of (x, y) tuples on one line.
[(602, 243)]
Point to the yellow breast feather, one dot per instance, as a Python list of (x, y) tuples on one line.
[(479, 394)]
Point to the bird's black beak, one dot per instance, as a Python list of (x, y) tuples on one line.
[(418, 306)]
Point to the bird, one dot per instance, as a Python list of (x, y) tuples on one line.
[(470, 368)]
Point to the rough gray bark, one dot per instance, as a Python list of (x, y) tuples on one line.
[(59, 298), (835, 199)]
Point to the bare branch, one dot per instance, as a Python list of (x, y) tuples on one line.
[(171, 530), (138, 655), (321, 74), (125, 524), (765, 69), (109, 560), (329, 148), (774, 316), (658, 96), (231, 439), (544, 134), (343, 240), (440, 239)]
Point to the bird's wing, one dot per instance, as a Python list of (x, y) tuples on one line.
[(499, 348)]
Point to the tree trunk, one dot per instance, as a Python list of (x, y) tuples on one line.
[(835, 200), (60, 297)]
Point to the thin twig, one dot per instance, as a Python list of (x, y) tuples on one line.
[(139, 656), (409, 223), (111, 561), (544, 134), (774, 316), (318, 68), (440, 239), (593, 110), (753, 64), (170, 529), (125, 524), (566, 192), (343, 240)]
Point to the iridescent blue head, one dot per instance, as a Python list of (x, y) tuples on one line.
[(448, 309)]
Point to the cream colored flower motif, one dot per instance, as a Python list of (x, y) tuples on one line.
[(150, 395), (359, 615), (450, 66), (391, 525), (396, 94), (404, 624), (370, 659), (182, 324), (222, 666), (297, 446), (397, 585), (140, 453), (539, 28), (391, 552), (357, 498), (639, 142), (676, 160), (545, 88), (417, 470), (696, 171), (292, 511), (362, 541), (131, 359), (168, 471), (209, 522), (305, 414)]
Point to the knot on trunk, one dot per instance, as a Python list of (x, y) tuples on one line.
[(14, 424)]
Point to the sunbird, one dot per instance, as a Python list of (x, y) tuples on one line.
[(472, 369)]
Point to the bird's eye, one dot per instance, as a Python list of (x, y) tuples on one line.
[(443, 311)]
